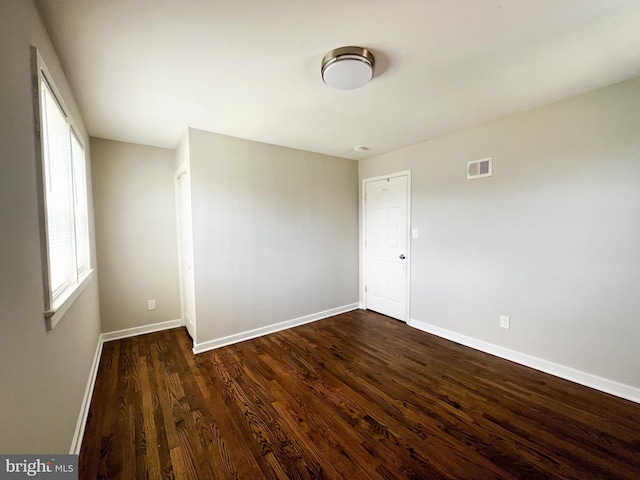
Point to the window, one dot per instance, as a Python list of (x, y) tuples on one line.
[(64, 207)]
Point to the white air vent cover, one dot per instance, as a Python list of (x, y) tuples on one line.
[(479, 168)]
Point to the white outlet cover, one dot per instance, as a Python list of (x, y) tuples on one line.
[(504, 322)]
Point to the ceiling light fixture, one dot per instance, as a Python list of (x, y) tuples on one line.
[(347, 68), (360, 148)]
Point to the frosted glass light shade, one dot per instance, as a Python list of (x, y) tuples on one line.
[(347, 68)]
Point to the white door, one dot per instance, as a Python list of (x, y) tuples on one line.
[(386, 246), (185, 246)]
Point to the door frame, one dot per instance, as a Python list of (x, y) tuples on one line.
[(183, 169), (363, 249)]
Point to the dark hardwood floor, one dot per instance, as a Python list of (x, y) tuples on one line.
[(356, 396)]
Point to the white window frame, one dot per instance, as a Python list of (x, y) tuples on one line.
[(57, 303)]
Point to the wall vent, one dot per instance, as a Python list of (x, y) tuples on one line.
[(479, 168)]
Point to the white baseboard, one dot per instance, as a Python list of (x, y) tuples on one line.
[(593, 381), (276, 327), (132, 332), (76, 442)]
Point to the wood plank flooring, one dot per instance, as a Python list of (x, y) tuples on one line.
[(356, 396)]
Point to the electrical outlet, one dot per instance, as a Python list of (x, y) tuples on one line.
[(504, 322), (151, 304)]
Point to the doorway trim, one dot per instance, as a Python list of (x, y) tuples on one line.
[(363, 252), (182, 170)]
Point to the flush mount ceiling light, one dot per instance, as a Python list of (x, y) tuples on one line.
[(347, 68)]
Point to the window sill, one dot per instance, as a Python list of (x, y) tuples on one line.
[(63, 304)]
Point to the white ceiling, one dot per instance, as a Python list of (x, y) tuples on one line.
[(144, 70)]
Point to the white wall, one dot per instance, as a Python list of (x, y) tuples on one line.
[(552, 239), (43, 375), (182, 152), (135, 233), (275, 233)]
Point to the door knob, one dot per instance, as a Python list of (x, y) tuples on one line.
[(402, 257)]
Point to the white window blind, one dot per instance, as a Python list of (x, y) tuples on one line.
[(64, 185), (58, 193), (81, 206)]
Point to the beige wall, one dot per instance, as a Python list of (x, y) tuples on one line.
[(552, 239), (275, 233), (135, 233), (43, 375)]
